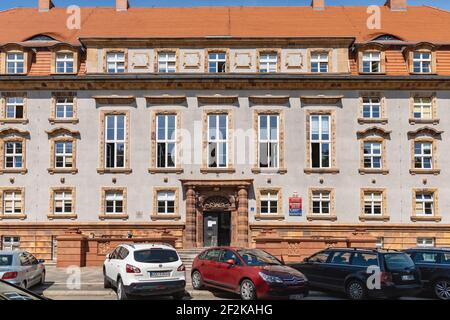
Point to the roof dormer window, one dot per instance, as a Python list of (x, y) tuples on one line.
[(422, 62), (15, 62), (371, 61), (64, 62)]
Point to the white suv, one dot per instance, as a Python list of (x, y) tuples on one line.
[(146, 269)]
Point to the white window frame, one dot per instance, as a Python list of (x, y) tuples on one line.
[(372, 154), (372, 57), (15, 58), (115, 62), (269, 141), (14, 154), (14, 102), (64, 154), (168, 61), (14, 197), (321, 197), (64, 104), (423, 155), (420, 103), (115, 140), (424, 64), (114, 196), (65, 197), (268, 62), (11, 245), (373, 199), (165, 196), (166, 140), (218, 140), (270, 197), (425, 242), (64, 58), (321, 59), (320, 140), (423, 199), (371, 103), (213, 57), (379, 242)]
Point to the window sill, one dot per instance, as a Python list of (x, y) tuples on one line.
[(60, 170), (269, 217), (312, 217), (217, 170), (373, 171), (423, 73), (424, 218), (165, 217), (368, 121), (364, 218), (54, 121), (425, 171), (269, 170), (372, 73), (18, 121), (114, 170), (321, 170), (62, 216), (13, 216), (424, 121), (17, 171), (165, 170), (64, 73), (113, 216)]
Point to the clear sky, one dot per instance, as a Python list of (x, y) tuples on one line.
[(5, 4)]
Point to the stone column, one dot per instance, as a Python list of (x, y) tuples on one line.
[(189, 231), (242, 219)]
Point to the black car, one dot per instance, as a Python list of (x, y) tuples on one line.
[(434, 265), (362, 273)]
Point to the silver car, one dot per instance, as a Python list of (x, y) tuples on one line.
[(21, 268)]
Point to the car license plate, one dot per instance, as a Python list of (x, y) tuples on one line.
[(159, 274), (408, 277), (296, 296)]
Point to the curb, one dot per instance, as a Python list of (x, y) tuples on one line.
[(103, 293)]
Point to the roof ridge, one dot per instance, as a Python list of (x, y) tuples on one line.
[(436, 8)]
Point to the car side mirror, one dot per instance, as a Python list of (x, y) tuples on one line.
[(41, 261), (306, 259), (231, 262)]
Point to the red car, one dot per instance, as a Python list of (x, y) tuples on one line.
[(252, 273)]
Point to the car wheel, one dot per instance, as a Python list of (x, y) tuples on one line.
[(42, 282), (23, 284), (179, 295), (106, 283), (355, 290), (442, 289), (121, 295), (248, 290), (197, 281)]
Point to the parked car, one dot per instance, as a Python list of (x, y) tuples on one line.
[(434, 266), (21, 268), (356, 271), (9, 291), (252, 273), (145, 270)]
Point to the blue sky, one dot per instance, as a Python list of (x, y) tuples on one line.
[(5, 4)]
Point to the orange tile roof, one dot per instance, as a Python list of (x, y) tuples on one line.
[(414, 25)]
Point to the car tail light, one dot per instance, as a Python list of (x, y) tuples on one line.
[(9, 275), (181, 268), (386, 277), (132, 269)]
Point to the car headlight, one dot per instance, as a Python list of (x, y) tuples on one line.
[(269, 278)]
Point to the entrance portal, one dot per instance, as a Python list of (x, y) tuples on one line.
[(216, 228)]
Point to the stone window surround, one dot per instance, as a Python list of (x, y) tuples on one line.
[(373, 134), (384, 216), (63, 135), (15, 48), (64, 49), (435, 170), (262, 216), (436, 217), (421, 47), (434, 119), (333, 169), (15, 135), (218, 50), (277, 51), (311, 51), (153, 146), (55, 97), (102, 153), (154, 215), (372, 48), (114, 50), (230, 156), (103, 215), (52, 215), (21, 216), (4, 97), (312, 216), (383, 119), (157, 51)]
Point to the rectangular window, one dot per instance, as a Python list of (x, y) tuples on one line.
[(422, 108), (115, 62), (422, 62), (12, 202), (321, 201), (15, 108), (114, 202), (373, 203), (269, 202), (217, 62), (423, 155), (62, 202), (64, 108), (268, 62), (371, 107), (426, 242), (167, 62), (165, 202), (63, 154), (380, 242), (319, 62), (424, 204), (10, 243), (320, 140), (372, 155), (13, 154), (166, 140), (15, 63), (217, 140), (269, 137), (64, 62), (371, 62), (115, 132)]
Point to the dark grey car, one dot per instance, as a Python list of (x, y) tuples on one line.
[(21, 268)]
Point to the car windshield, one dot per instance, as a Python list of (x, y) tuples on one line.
[(156, 256), (258, 258), (398, 261), (8, 292), (5, 260)]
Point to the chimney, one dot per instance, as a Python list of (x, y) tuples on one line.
[(122, 5), (318, 4), (45, 5), (397, 5)]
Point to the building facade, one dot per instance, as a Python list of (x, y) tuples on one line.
[(242, 126)]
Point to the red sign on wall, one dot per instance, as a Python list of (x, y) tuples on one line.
[(295, 205)]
